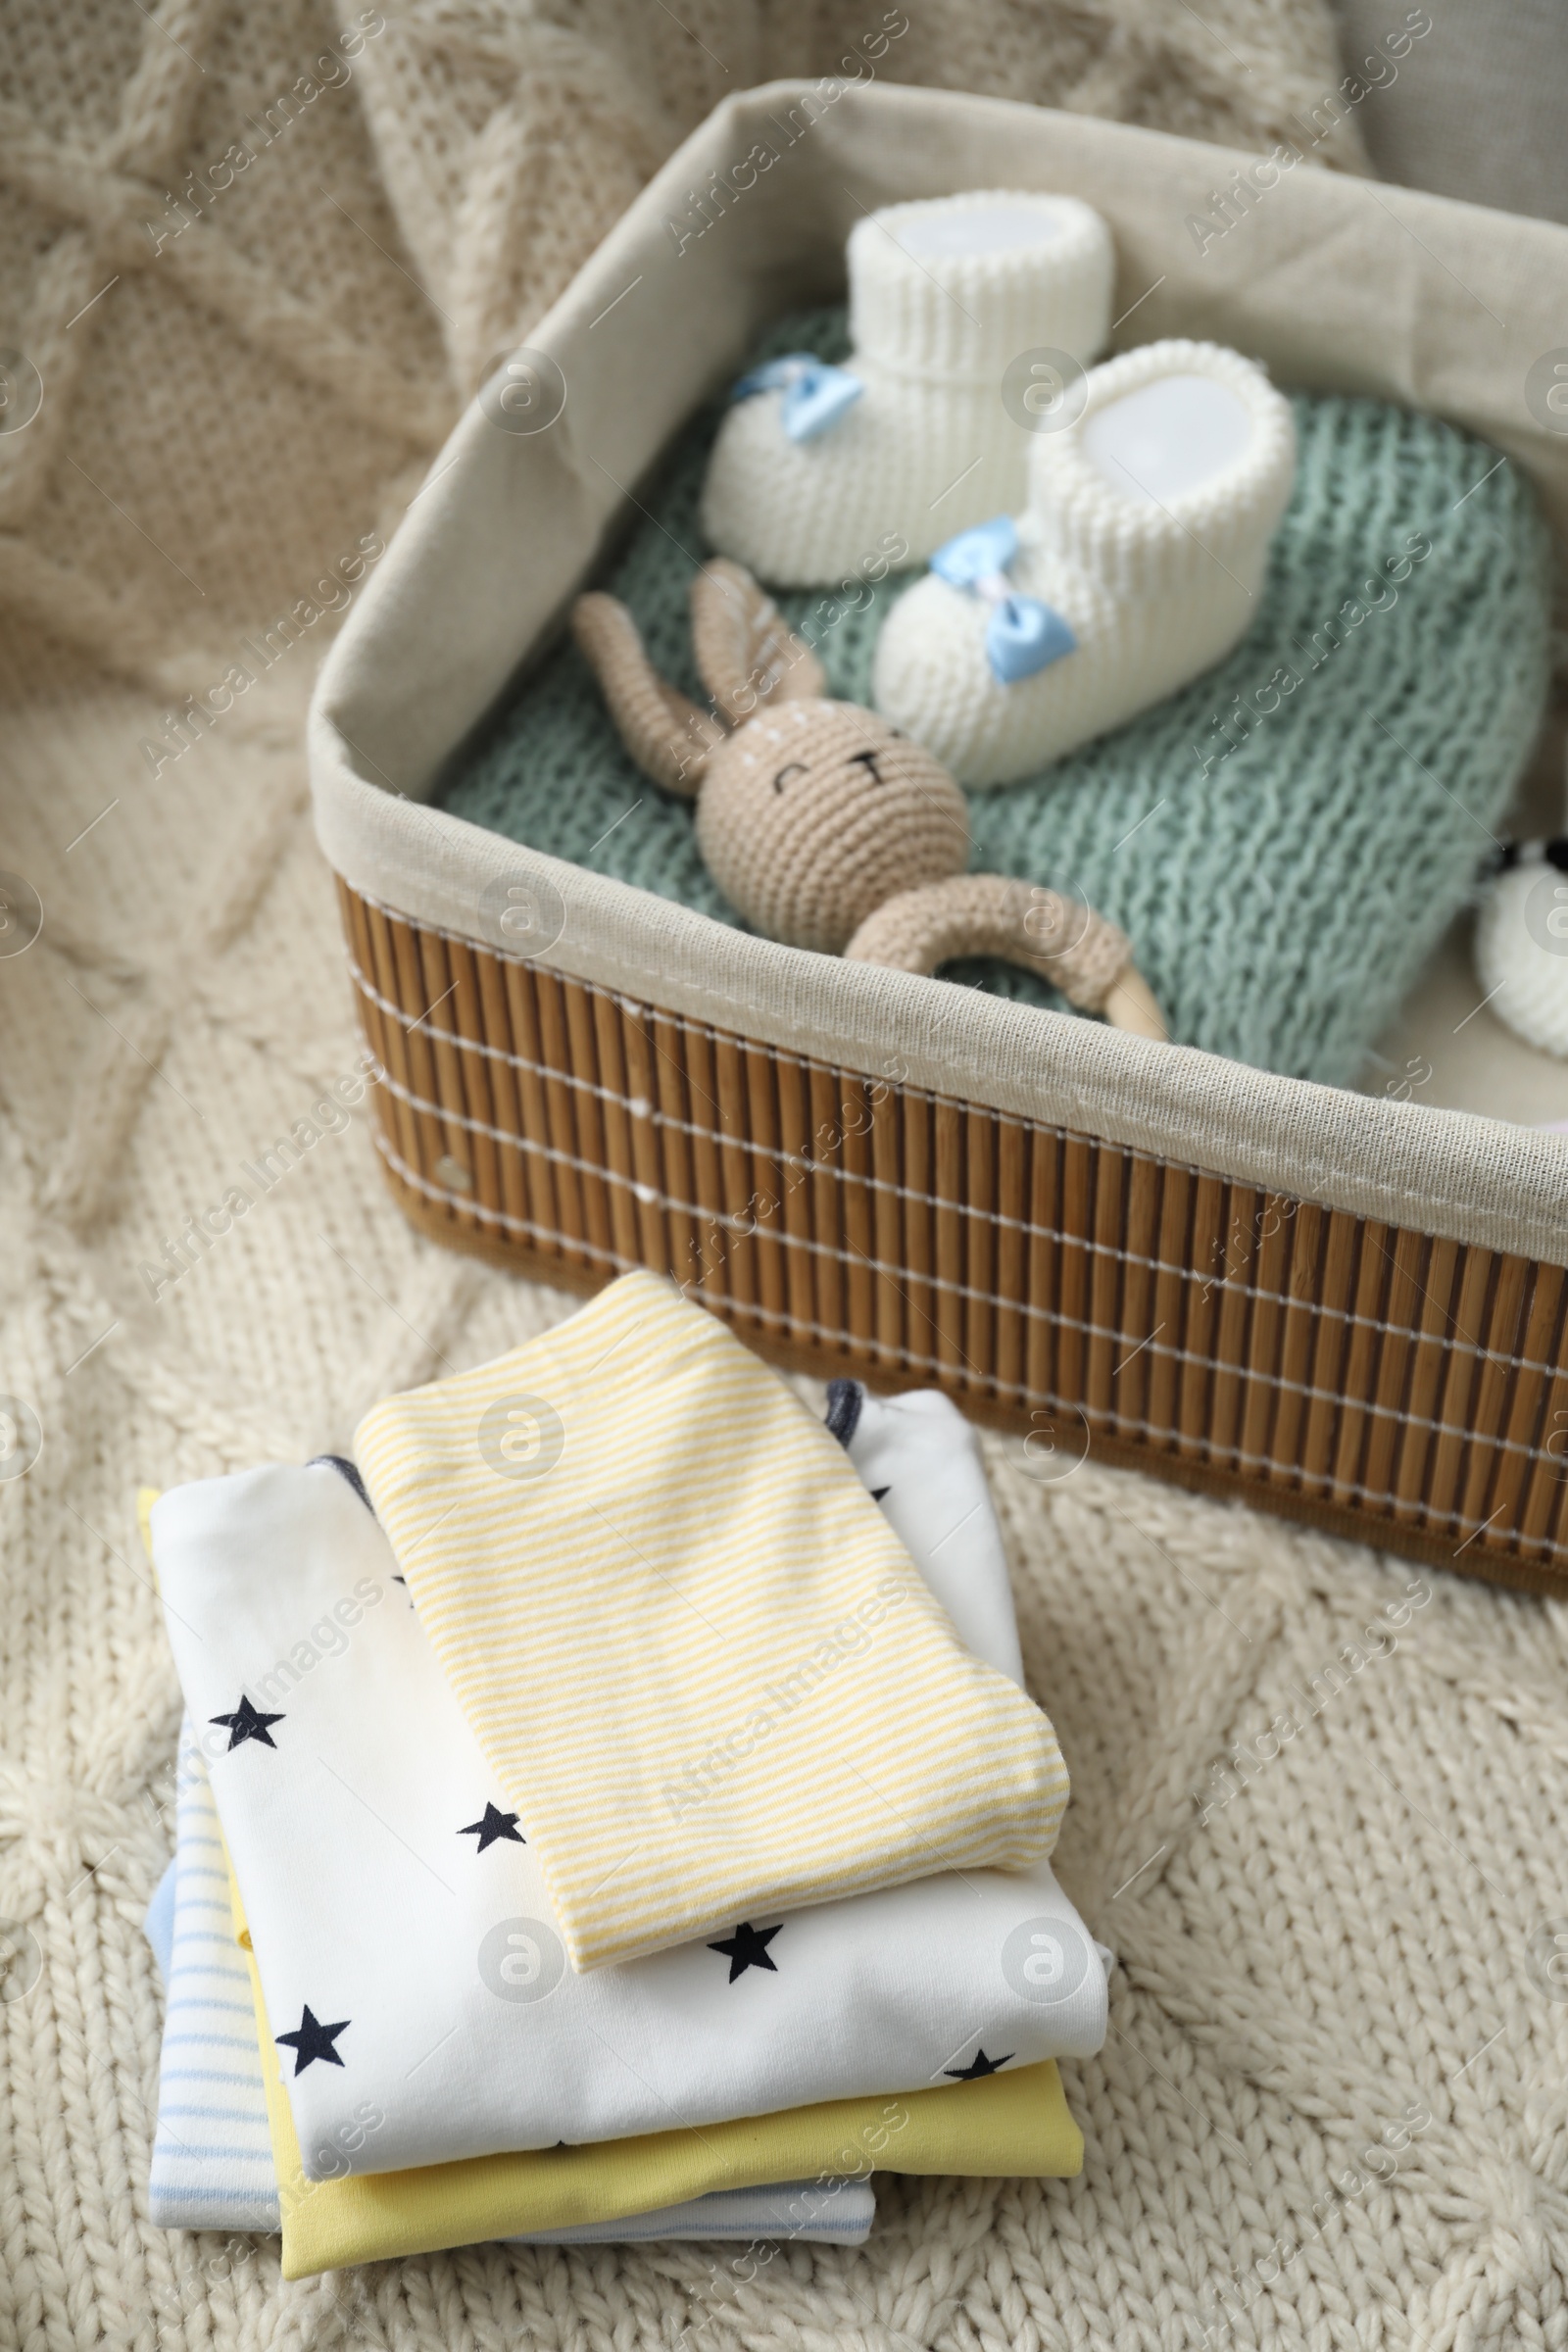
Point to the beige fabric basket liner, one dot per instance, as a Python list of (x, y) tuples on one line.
[(1333, 283)]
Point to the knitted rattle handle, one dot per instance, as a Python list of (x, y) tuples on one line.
[(1080, 951)]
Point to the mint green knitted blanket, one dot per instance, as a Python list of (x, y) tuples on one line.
[(1284, 842)]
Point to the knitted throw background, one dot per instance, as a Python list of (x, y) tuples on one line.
[(1358, 1932), (1283, 876)]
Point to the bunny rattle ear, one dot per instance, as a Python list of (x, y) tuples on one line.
[(746, 653), (667, 736)]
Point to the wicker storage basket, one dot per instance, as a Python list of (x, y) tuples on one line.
[(1346, 1308)]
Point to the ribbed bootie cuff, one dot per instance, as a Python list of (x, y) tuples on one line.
[(1133, 548), (949, 316)]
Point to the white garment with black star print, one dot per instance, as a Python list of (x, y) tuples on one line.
[(400, 1923)]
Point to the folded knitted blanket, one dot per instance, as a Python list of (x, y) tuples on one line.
[(402, 1927), (632, 1548)]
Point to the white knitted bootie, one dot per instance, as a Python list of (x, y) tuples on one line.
[(1522, 944), (1137, 565), (817, 470)]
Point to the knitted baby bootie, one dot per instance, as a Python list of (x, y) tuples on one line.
[(1522, 943), (1137, 565), (820, 472)]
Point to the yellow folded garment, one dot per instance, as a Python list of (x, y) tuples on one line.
[(703, 1669), (1001, 2126)]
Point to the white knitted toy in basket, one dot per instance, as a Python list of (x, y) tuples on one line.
[(1522, 944), (945, 296), (1142, 546)]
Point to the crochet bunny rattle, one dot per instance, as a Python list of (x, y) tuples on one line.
[(825, 825)]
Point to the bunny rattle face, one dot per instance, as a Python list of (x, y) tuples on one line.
[(814, 813), (810, 812)]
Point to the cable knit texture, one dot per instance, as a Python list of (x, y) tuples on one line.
[(1323, 1942), (1284, 841), (1155, 591), (928, 448)]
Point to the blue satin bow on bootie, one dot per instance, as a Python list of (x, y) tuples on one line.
[(815, 395), (1023, 634)]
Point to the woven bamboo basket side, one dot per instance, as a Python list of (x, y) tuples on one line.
[(1402, 1388)]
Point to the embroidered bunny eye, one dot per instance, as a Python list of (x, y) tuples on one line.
[(796, 767)]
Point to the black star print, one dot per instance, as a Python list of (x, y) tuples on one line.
[(493, 1827), (747, 1948), (313, 2041), (978, 2066), (877, 1492), (246, 1723)]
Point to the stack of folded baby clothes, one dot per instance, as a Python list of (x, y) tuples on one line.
[(609, 1809)]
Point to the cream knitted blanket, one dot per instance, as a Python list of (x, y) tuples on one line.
[(256, 254)]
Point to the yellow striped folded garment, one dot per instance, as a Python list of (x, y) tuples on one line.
[(706, 1672), (1006, 2126)]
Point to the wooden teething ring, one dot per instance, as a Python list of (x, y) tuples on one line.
[(1082, 953)]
